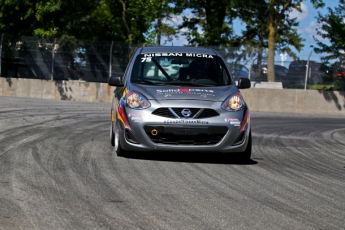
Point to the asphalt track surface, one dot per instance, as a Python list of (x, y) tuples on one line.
[(59, 171)]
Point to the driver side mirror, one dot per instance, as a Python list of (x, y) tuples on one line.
[(116, 80)]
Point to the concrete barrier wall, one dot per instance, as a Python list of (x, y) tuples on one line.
[(295, 101), (58, 90), (258, 99)]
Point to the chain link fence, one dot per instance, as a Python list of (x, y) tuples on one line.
[(67, 58), (62, 59)]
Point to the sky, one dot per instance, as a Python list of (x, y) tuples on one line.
[(307, 29), (308, 24)]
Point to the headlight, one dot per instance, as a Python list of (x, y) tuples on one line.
[(136, 100), (233, 102)]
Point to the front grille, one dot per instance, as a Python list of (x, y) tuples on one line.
[(186, 135), (196, 113), (163, 112), (207, 113)]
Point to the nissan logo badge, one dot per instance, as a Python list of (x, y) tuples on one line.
[(186, 112)]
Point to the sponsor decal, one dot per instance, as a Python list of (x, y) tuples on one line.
[(184, 90), (245, 120), (125, 91), (198, 55), (202, 92), (148, 56), (184, 121), (233, 121), (135, 117), (121, 117)]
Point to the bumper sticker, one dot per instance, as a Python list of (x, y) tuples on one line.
[(186, 122), (135, 117), (233, 121)]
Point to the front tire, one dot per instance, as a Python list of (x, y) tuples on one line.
[(117, 145), (245, 156), (112, 135)]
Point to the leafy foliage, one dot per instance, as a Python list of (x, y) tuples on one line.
[(332, 29), (268, 25), (17, 17), (209, 23), (163, 11)]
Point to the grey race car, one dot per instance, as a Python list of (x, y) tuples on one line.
[(179, 99)]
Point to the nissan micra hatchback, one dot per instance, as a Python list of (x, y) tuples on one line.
[(179, 99)]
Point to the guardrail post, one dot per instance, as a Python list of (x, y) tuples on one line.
[(306, 72), (111, 57), (2, 37), (53, 60)]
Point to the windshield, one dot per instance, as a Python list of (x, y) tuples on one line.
[(180, 68)]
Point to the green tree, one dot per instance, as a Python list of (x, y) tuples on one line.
[(256, 35), (210, 23), (83, 19), (277, 13), (332, 29), (163, 13), (103, 25), (46, 18), (57, 18), (17, 17), (267, 20)]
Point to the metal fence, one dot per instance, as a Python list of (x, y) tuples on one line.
[(67, 58), (61, 59)]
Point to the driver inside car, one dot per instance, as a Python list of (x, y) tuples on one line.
[(197, 69)]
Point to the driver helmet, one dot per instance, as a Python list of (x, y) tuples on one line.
[(197, 69)]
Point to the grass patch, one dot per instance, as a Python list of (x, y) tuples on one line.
[(325, 87), (328, 87)]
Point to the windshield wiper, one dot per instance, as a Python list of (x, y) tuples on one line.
[(143, 81), (185, 83)]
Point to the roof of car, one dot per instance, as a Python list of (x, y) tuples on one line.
[(302, 61), (178, 49)]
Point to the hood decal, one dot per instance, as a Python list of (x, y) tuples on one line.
[(186, 91), (216, 94)]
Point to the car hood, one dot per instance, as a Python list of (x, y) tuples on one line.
[(219, 93)]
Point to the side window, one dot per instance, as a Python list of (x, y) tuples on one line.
[(225, 76), (149, 70), (130, 65)]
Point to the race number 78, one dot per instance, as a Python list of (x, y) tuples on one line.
[(146, 59)]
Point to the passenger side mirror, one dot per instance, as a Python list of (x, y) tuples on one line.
[(244, 83)]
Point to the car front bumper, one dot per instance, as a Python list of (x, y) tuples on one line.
[(226, 132)]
